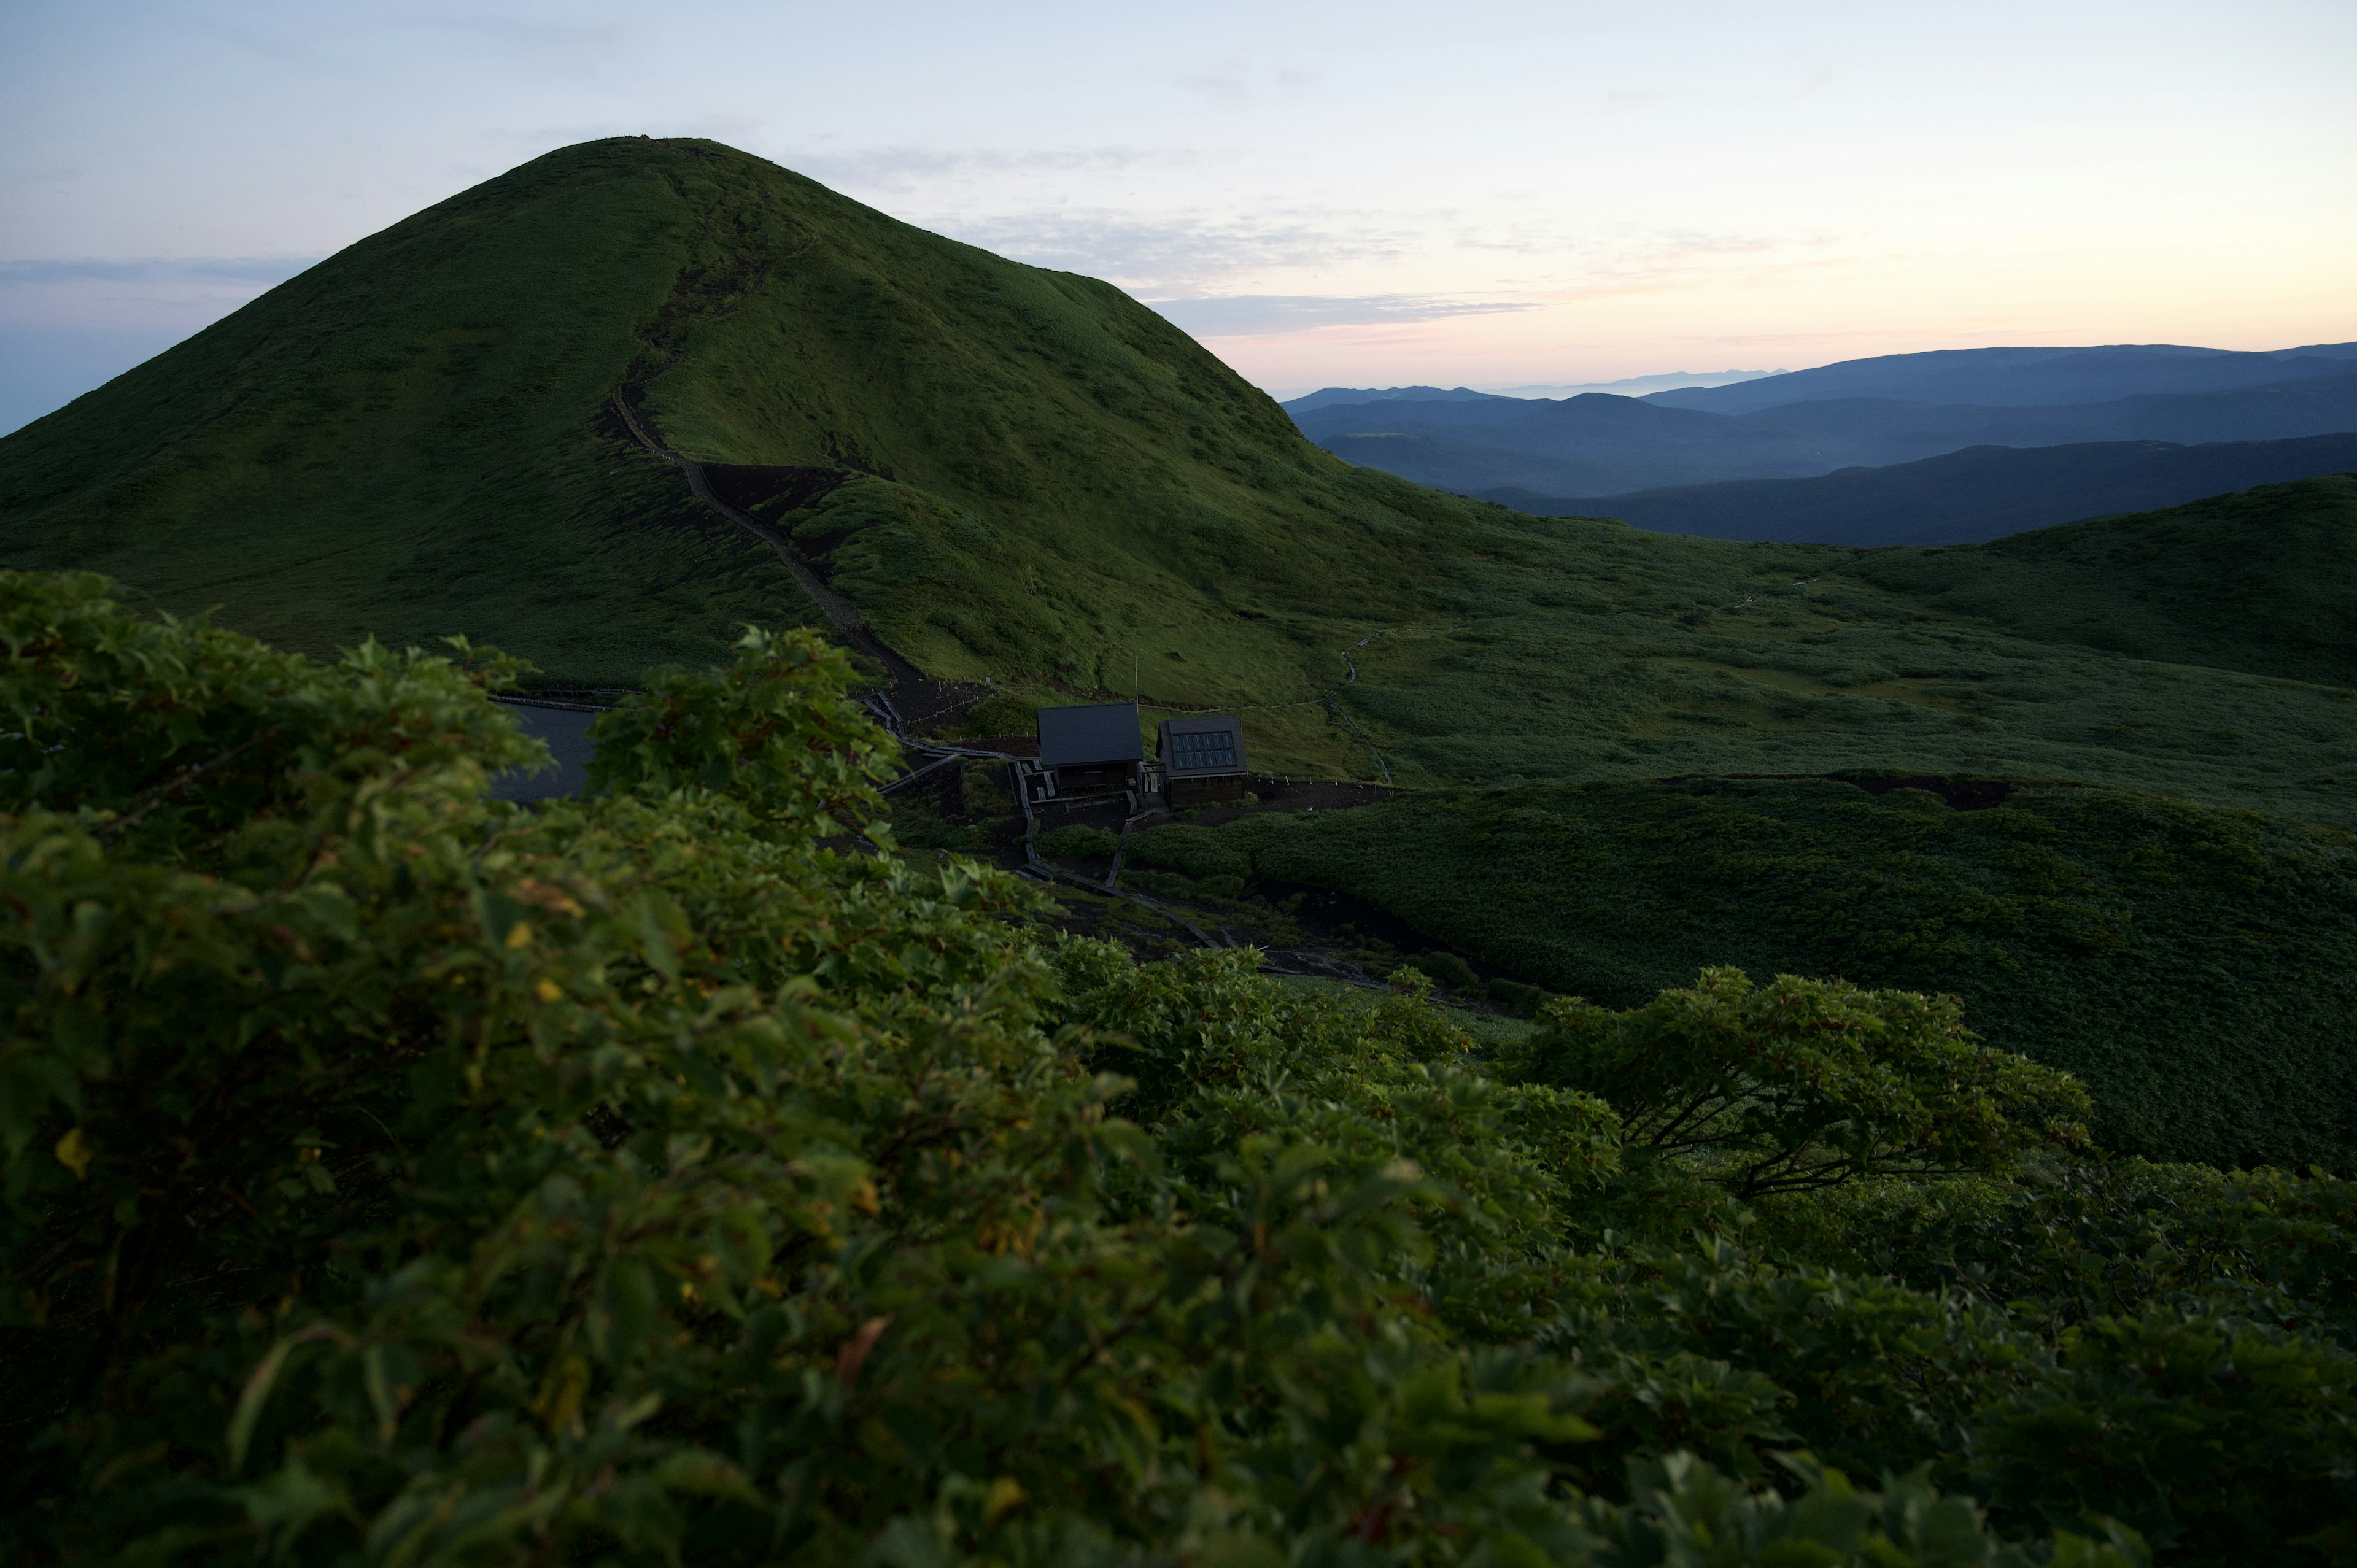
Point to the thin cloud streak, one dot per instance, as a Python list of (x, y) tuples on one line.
[(908, 168), (1231, 82), (1262, 315), (1192, 253), (527, 34), (156, 270), (1181, 252)]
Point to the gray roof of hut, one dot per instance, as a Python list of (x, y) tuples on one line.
[(1099, 733)]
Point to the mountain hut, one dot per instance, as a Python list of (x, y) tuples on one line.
[(1091, 749), (1202, 760)]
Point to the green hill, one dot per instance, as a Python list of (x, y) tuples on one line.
[(1008, 468), (1024, 474), (2257, 581)]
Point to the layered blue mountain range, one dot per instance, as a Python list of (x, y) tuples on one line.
[(2118, 413)]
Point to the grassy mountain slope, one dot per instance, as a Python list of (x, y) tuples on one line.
[(1007, 468), (2254, 581), (1611, 652), (1041, 474), (2197, 968)]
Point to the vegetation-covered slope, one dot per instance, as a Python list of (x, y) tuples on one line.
[(2196, 968), (2257, 581), (1608, 652)]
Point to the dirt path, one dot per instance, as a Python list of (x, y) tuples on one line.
[(912, 698), (834, 606)]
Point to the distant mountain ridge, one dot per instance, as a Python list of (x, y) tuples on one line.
[(1594, 449), (1356, 396), (1979, 494), (1601, 444), (2017, 378), (1627, 386), (1638, 386)]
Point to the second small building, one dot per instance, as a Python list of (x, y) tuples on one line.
[(1202, 760)]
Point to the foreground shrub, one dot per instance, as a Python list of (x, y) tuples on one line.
[(395, 1175), (2221, 1443)]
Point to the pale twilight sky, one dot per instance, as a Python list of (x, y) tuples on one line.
[(1489, 192)]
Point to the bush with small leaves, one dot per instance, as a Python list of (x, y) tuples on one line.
[(1076, 841), (1447, 971), (1803, 1084), (1527, 1000)]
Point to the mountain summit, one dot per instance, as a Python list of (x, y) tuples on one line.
[(1002, 467)]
